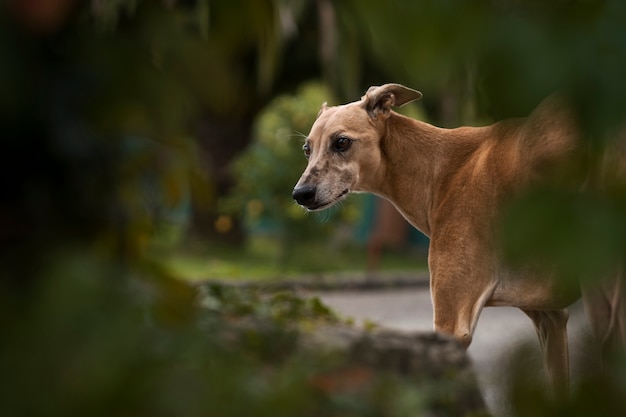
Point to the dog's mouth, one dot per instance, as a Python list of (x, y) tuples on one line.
[(318, 206)]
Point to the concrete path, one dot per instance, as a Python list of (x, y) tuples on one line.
[(499, 332)]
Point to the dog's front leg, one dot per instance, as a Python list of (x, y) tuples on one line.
[(460, 288)]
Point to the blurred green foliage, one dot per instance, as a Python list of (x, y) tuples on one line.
[(595, 394), (263, 259), (270, 167), (98, 107), (87, 347), (504, 56), (587, 234), (281, 307)]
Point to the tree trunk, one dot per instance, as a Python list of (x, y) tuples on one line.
[(219, 142)]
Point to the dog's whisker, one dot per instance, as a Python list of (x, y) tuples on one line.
[(293, 202), (323, 216), (297, 134)]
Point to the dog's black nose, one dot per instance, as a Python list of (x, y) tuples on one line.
[(304, 194)]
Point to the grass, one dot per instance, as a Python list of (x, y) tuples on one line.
[(261, 259)]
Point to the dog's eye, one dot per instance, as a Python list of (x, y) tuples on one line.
[(342, 143), (307, 150)]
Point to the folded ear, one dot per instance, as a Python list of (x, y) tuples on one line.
[(379, 100), (323, 108)]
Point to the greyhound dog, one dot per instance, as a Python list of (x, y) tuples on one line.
[(453, 184)]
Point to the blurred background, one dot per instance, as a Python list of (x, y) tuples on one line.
[(149, 143), (201, 108)]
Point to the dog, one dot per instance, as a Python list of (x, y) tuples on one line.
[(452, 185)]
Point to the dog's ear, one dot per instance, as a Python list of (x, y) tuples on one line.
[(322, 109), (379, 100)]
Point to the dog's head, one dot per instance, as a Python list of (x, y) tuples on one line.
[(343, 147)]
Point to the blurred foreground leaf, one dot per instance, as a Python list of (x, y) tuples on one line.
[(582, 235)]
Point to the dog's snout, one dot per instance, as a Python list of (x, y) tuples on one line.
[(304, 194)]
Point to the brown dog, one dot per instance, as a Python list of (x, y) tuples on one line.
[(452, 184)]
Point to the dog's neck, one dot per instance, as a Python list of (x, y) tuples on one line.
[(415, 187)]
